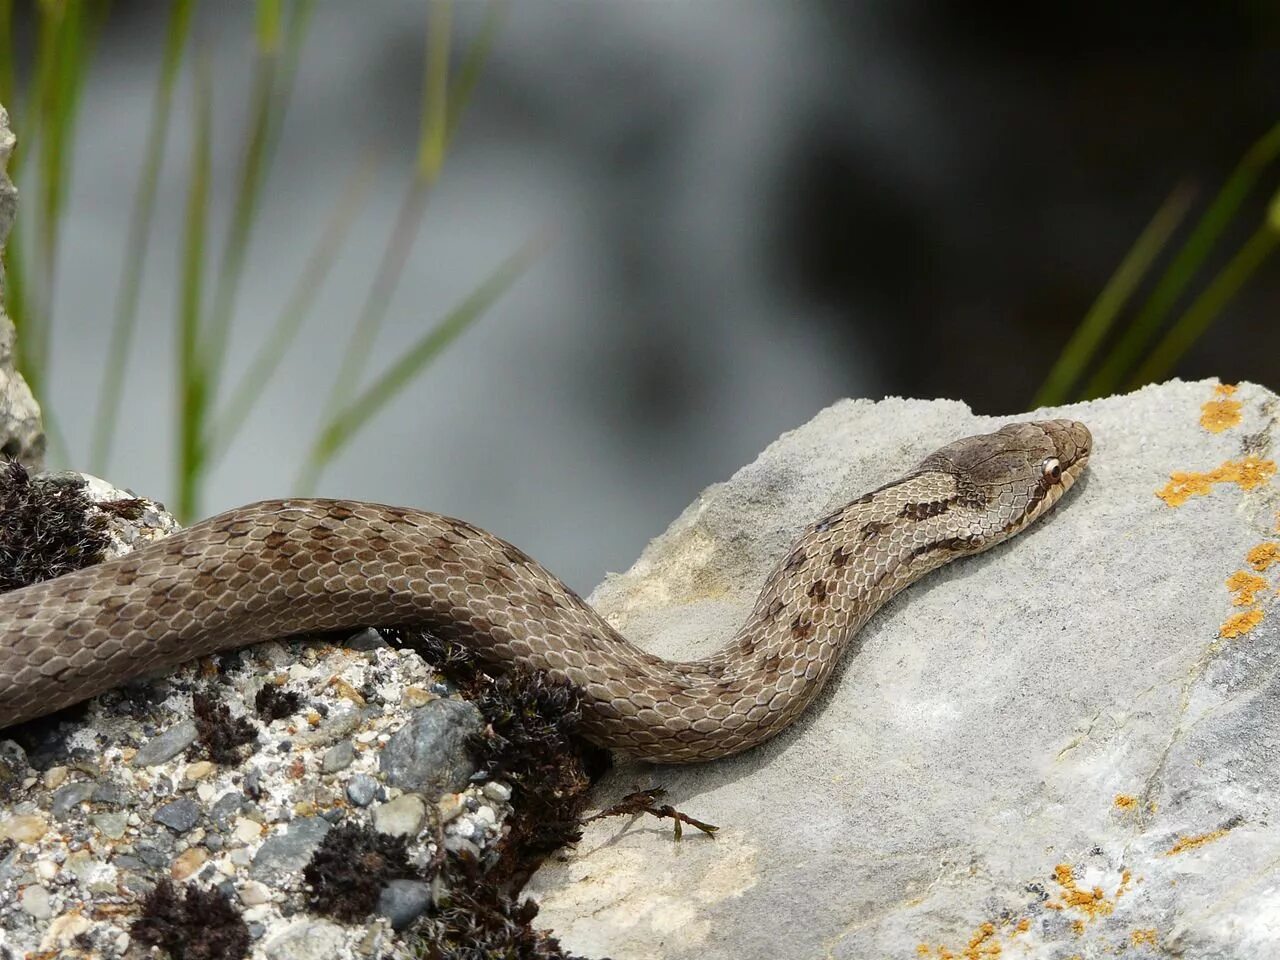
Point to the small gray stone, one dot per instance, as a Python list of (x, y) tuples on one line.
[(226, 807), (362, 789), (402, 902), (306, 940), (151, 855), (110, 825), (498, 792), (66, 799), (365, 640), (401, 817), (289, 851), (167, 745), (429, 754), (338, 757), (109, 793), (179, 815), (13, 768), (35, 901)]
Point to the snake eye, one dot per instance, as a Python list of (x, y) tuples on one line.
[(1052, 469)]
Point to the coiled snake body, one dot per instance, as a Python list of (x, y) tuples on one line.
[(291, 566)]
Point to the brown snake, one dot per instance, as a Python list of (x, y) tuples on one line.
[(291, 566)]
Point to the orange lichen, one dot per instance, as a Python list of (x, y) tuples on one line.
[(1126, 801), (984, 944), (1023, 925), (1144, 935), (1093, 903), (1245, 587), (1219, 414), (1184, 844), (1263, 555), (1237, 625), (1248, 474)]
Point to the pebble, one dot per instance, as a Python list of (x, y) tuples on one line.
[(110, 793), (497, 791), (24, 828), (179, 815), (110, 825), (166, 746), (253, 893), (199, 770), (305, 940), (187, 863), (362, 789), (246, 830), (71, 796), (450, 806), (403, 901), (486, 815), (338, 757), (401, 817), (429, 754), (35, 901), (55, 777), (290, 849)]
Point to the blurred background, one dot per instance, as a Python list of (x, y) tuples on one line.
[(554, 266)]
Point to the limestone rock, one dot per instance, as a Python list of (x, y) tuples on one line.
[(21, 435), (1067, 746)]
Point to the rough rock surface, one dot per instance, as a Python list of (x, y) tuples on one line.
[(98, 805), (1066, 747), (21, 435)]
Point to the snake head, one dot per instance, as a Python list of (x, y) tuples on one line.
[(1015, 475)]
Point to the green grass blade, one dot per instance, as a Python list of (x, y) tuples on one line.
[(266, 25), (126, 312), (472, 66), (341, 428), (409, 217), (70, 44), (272, 83), (244, 213), (1184, 266), (1097, 322), (192, 371), (1205, 309), (8, 81), (435, 91), (251, 386)]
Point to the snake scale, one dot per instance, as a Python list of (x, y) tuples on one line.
[(284, 567)]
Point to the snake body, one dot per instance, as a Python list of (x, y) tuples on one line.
[(284, 567)]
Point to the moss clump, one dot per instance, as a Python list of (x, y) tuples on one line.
[(477, 921), (349, 869), (219, 735), (276, 703), (48, 527), (532, 740), (198, 925)]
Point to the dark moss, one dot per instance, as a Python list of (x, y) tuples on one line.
[(349, 869), (198, 925), (48, 527), (477, 921), (219, 736), (276, 703), (533, 741)]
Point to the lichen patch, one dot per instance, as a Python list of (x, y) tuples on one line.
[(1263, 555), (1245, 587), (1237, 625), (1183, 844), (1248, 474), (1221, 413)]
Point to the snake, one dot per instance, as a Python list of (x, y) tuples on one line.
[(285, 567)]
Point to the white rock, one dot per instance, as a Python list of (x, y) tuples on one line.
[(1018, 728)]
